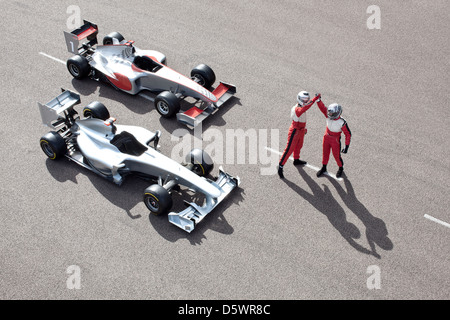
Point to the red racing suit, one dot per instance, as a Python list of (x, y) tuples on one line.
[(297, 132), (332, 137)]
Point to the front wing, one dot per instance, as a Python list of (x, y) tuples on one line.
[(193, 214), (194, 116)]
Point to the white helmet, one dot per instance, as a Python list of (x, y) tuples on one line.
[(334, 111), (302, 97)]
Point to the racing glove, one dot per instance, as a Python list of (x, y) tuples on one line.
[(345, 150), (317, 97)]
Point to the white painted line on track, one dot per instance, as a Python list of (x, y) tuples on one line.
[(60, 61), (53, 58), (445, 224), (307, 165)]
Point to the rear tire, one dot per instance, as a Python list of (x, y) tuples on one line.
[(78, 67), (108, 40), (203, 164), (167, 104), (96, 110), (157, 200), (53, 145), (204, 75)]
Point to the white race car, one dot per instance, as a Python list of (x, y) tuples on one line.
[(132, 70), (114, 151)]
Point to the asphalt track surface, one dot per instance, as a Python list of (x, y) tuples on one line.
[(299, 238)]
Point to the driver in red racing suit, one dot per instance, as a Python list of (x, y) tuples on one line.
[(297, 131), (332, 138)]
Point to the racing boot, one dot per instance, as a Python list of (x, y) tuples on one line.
[(280, 172), (322, 170), (298, 162), (339, 173)]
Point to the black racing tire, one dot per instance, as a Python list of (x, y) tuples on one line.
[(96, 110), (204, 74), (108, 39), (203, 164), (78, 67), (167, 104), (157, 200), (53, 145)]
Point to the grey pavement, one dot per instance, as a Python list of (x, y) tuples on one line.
[(299, 238)]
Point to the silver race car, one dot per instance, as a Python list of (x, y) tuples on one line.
[(132, 70), (114, 151)]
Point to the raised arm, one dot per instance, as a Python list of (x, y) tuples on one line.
[(320, 104), (300, 110), (322, 108)]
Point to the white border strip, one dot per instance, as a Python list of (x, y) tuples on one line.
[(445, 224), (306, 165), (53, 58)]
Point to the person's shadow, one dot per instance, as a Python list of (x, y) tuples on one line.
[(324, 202), (376, 230)]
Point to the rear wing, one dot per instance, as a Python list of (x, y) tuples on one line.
[(55, 111), (86, 35)]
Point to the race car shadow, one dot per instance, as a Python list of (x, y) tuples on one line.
[(87, 87), (130, 194), (213, 221), (62, 170), (324, 202), (141, 105), (215, 119), (126, 197)]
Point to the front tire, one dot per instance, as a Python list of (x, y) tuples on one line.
[(203, 75), (167, 104), (78, 67), (96, 110), (53, 145), (202, 162), (109, 39), (157, 200)]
